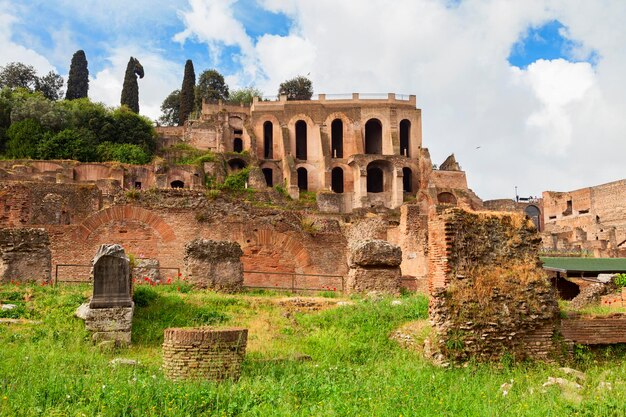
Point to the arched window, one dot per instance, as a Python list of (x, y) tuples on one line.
[(337, 180), (373, 137), (374, 180), (405, 136), (177, 184), (336, 133), (268, 140), (303, 179), (407, 180), (301, 145), (237, 145), (534, 213), (446, 198), (269, 176)]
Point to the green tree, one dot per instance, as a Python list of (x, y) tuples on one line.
[(187, 93), (23, 138), (245, 95), (50, 114), (133, 129), (211, 87), (68, 144), (6, 104), (130, 90), (17, 75), (298, 88), (170, 108), (78, 79)]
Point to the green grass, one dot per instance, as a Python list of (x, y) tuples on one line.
[(53, 369)]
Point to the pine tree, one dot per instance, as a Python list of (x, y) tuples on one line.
[(130, 90), (187, 93), (78, 80)]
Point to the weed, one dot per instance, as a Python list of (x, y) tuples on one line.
[(133, 194)]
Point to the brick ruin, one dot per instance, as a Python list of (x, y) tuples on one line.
[(214, 265), (488, 295), (204, 353)]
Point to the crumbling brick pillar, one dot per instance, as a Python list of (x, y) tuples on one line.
[(488, 295), (214, 264), (25, 255), (374, 266), (204, 353)]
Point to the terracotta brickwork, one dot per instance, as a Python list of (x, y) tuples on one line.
[(204, 353), (600, 330), (24, 255)]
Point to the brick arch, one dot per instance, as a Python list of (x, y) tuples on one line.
[(92, 223), (271, 239)]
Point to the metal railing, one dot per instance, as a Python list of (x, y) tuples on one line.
[(294, 282), (89, 281)]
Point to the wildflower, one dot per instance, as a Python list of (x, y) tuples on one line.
[(335, 289), (169, 280), (178, 288), (180, 274)]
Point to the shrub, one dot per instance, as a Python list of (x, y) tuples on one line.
[(68, 144), (620, 280), (123, 152), (23, 138), (237, 180)]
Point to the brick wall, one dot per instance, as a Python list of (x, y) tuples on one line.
[(595, 330)]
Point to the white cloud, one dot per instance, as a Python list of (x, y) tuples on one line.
[(14, 52), (161, 77)]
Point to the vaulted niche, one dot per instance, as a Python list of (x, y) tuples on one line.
[(337, 180), (336, 133), (301, 139), (303, 179), (238, 145), (407, 180), (405, 135), (373, 137), (177, 184), (269, 176), (268, 140), (375, 180)]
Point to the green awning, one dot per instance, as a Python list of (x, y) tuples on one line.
[(578, 265)]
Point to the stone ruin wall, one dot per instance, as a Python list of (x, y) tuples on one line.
[(488, 295), (596, 221), (24, 255)]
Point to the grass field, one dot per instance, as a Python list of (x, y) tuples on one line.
[(53, 369)]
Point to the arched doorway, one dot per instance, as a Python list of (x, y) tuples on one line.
[(534, 214), (336, 133), (238, 145), (405, 135), (446, 198), (375, 180), (301, 140), (177, 184), (373, 137), (268, 140), (407, 180), (303, 179), (337, 180), (268, 173)]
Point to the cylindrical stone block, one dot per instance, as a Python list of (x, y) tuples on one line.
[(204, 353)]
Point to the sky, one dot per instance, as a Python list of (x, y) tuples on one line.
[(526, 93)]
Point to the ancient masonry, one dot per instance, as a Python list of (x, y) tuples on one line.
[(24, 255), (374, 267), (214, 265), (204, 353)]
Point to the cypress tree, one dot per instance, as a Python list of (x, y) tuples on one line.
[(130, 90), (78, 80), (187, 93)]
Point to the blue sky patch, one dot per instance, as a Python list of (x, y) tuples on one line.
[(547, 42), (257, 21)]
